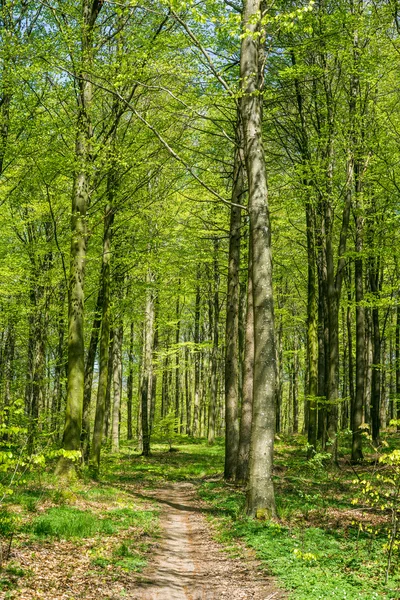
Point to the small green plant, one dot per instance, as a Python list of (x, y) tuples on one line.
[(382, 493), (167, 429), (8, 526)]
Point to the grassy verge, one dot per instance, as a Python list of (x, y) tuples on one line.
[(323, 546), (91, 536), (85, 538)]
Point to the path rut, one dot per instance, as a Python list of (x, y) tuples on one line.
[(189, 565)]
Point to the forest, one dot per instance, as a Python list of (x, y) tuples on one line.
[(199, 299)]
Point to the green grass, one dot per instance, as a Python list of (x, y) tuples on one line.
[(316, 551), (311, 555), (66, 522)]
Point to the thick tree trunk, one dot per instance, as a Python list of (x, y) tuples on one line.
[(260, 494), (80, 201)]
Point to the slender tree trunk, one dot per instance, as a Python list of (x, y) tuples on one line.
[(358, 405), (232, 318), (89, 370), (279, 376), (368, 366), (177, 361), (398, 366), (260, 494), (242, 469), (165, 383), (154, 372), (196, 407), (188, 397), (147, 362), (60, 363), (295, 389), (129, 384), (214, 323), (107, 401), (349, 323), (104, 366), (312, 334), (117, 385)]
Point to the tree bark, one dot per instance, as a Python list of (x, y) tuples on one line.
[(214, 326), (232, 317), (89, 369), (242, 469), (260, 500), (80, 201), (98, 428), (117, 385), (196, 406), (129, 384), (147, 362)]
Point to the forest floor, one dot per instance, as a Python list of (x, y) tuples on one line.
[(168, 527)]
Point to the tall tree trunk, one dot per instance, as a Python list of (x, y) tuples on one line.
[(89, 370), (242, 469), (177, 361), (260, 494), (107, 400), (295, 389), (188, 397), (312, 334), (196, 406), (129, 385), (147, 362), (214, 323), (165, 382), (80, 201), (358, 405), (117, 385), (154, 372), (232, 317), (98, 429), (60, 363), (397, 412), (349, 323)]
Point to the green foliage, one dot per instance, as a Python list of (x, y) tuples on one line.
[(381, 493), (167, 430)]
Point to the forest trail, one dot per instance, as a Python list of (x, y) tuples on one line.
[(189, 565)]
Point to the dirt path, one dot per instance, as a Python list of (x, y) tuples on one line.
[(189, 565)]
